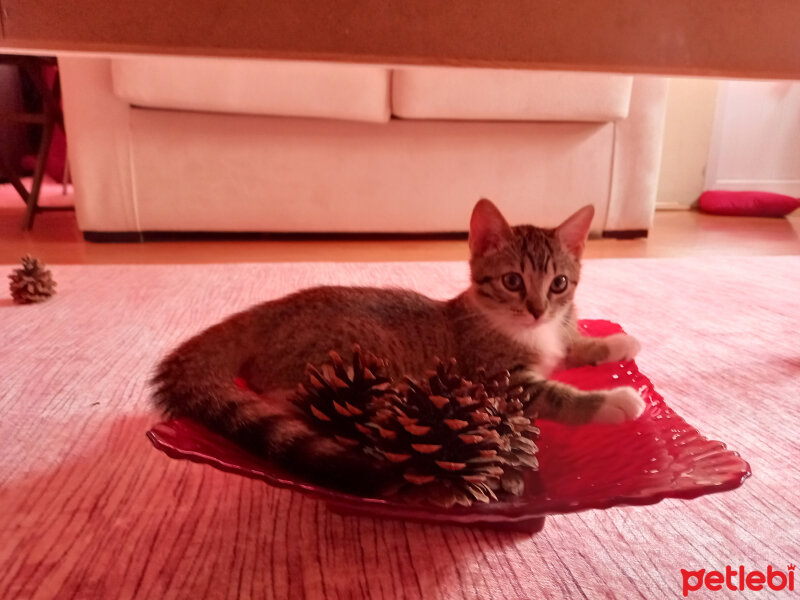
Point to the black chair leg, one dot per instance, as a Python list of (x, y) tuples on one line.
[(8, 170), (38, 173)]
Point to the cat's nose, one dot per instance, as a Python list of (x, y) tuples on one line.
[(536, 309)]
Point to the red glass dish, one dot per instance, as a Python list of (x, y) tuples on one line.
[(593, 466)]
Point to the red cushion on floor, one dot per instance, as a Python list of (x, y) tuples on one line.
[(747, 204)]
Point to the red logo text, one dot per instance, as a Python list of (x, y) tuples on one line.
[(738, 579)]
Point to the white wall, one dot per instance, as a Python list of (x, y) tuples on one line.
[(756, 137), (687, 139)]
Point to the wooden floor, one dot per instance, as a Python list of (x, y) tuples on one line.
[(56, 239)]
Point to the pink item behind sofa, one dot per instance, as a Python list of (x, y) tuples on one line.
[(747, 204)]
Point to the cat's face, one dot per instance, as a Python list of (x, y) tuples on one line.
[(525, 276)]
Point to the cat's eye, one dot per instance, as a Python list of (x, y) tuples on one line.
[(513, 281), (559, 284)]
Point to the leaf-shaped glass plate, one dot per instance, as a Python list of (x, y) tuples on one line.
[(589, 467)]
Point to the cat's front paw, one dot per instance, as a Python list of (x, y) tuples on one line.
[(620, 405), (621, 346)]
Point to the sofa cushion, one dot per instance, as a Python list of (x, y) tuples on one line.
[(509, 95), (261, 87)]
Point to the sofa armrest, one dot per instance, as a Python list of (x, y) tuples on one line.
[(97, 124), (637, 158)]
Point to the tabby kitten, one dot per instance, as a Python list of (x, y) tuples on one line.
[(517, 314)]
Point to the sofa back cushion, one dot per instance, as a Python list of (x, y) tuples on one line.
[(258, 87), (509, 95)]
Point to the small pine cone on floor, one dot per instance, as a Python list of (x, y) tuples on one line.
[(32, 283)]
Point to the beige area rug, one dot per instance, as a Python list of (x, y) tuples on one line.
[(88, 509)]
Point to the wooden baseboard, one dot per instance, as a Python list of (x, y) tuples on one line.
[(671, 206)]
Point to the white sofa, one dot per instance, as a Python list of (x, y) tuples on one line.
[(221, 145)]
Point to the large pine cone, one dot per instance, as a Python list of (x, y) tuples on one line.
[(31, 283), (345, 397), (449, 440), (460, 441)]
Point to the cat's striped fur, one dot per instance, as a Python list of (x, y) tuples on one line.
[(514, 316)]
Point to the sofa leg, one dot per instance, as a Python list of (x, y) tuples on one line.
[(625, 234)]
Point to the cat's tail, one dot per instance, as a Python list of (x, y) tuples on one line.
[(185, 386)]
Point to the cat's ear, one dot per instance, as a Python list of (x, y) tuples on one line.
[(488, 228), (573, 232)]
